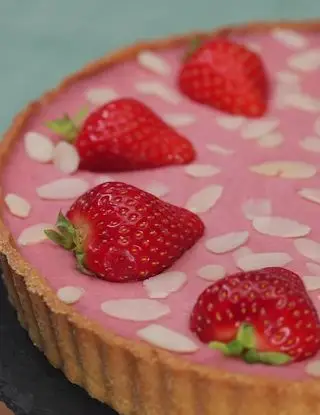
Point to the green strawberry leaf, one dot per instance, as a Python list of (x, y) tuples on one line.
[(192, 47), (234, 348), (80, 263), (59, 239), (81, 115), (251, 356), (274, 358), (64, 127), (246, 336)]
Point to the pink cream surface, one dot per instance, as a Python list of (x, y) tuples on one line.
[(23, 176)]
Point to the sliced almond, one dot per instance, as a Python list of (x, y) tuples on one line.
[(137, 309), (253, 208), (311, 144), (164, 284), (278, 226), (180, 120), (205, 199), (317, 126), (254, 47), (285, 169), (312, 283), (310, 194), (314, 269), (99, 96), (211, 272), (306, 61), (17, 205), (157, 189), (302, 102), (66, 157), (289, 38), (167, 339), (154, 63), (271, 140), (287, 77), (258, 128), (70, 294), (313, 368), (229, 122), (201, 170), (34, 234), (103, 179), (227, 242), (38, 147), (62, 189), (308, 248), (241, 252), (219, 150), (160, 90), (263, 260)]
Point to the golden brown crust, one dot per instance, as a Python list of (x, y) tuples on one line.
[(133, 377)]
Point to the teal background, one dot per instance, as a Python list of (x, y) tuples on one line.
[(43, 40)]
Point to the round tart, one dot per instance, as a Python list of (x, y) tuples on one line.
[(253, 181)]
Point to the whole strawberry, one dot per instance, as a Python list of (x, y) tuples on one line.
[(124, 135), (226, 76), (121, 233), (261, 316)]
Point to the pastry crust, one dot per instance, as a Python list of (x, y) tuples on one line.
[(135, 378)]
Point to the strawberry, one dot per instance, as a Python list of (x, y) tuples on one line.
[(262, 316), (227, 76), (121, 233), (124, 135)]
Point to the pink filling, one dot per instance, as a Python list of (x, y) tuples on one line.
[(23, 175)]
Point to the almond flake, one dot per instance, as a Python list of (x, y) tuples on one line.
[(137, 309), (201, 170), (302, 102), (61, 189), (230, 123), (258, 128), (219, 150), (253, 208), (158, 89), (314, 269), (287, 77), (263, 260), (38, 147), (167, 339), (241, 252), (317, 126), (271, 140), (179, 120), (312, 283), (34, 234), (289, 38), (69, 294), (313, 368), (157, 189), (305, 61), (285, 169), (153, 63), (17, 205), (66, 157), (205, 199), (308, 248), (311, 144), (310, 194), (99, 96), (164, 284), (254, 47), (282, 227), (227, 242), (211, 272), (103, 179)]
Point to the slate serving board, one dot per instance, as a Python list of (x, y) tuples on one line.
[(29, 385)]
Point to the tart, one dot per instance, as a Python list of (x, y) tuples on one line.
[(255, 185)]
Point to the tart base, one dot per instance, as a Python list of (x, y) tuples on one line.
[(135, 378)]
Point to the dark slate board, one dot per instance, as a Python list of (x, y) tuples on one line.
[(29, 385)]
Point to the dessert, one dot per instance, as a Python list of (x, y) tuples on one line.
[(252, 179)]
